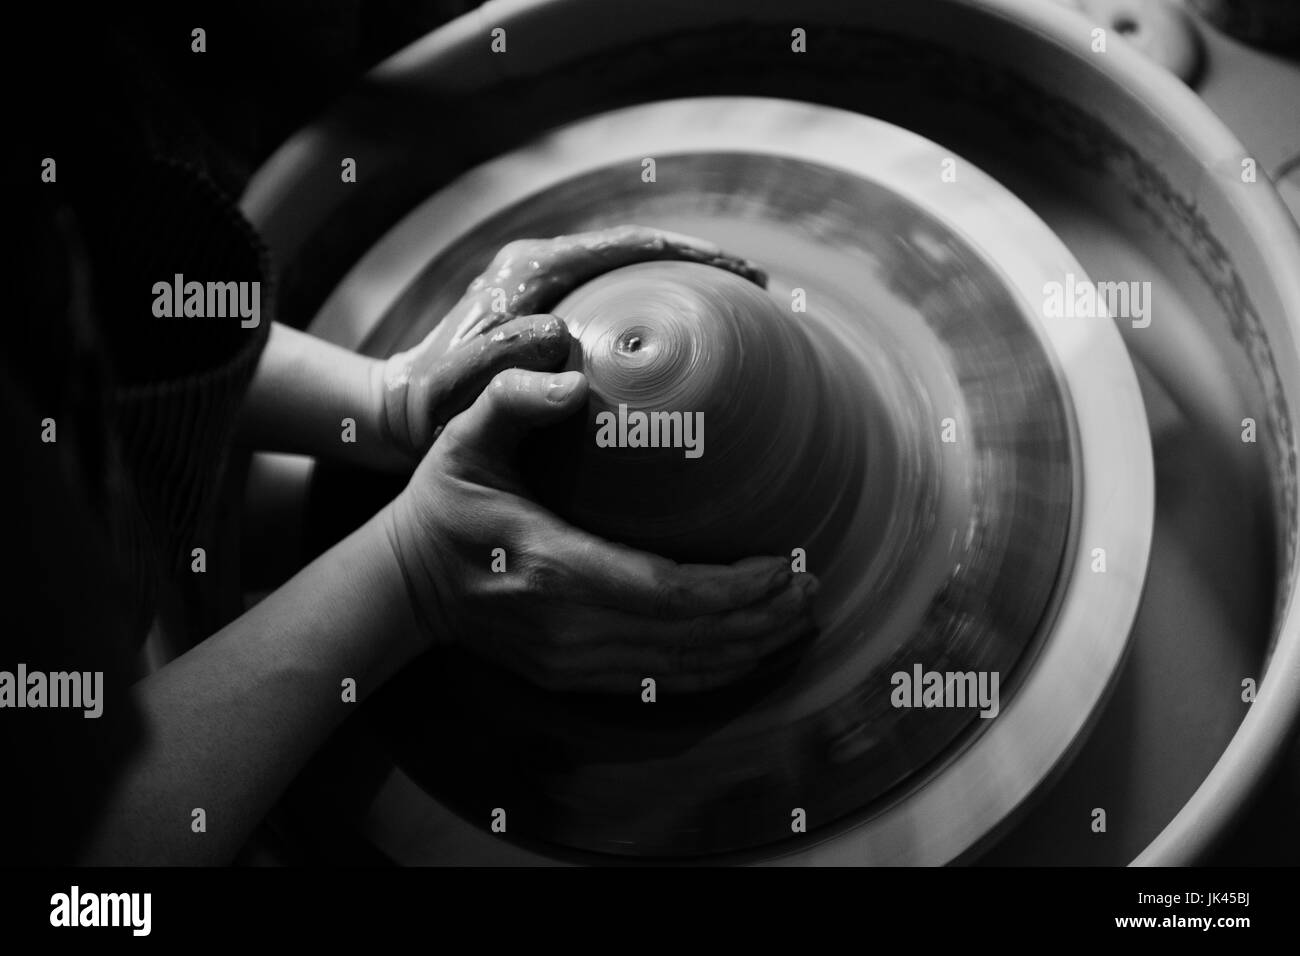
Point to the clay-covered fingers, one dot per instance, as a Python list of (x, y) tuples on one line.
[(606, 249), (446, 386), (532, 275)]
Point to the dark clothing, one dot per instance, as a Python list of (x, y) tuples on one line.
[(177, 382), (151, 140), (143, 410)]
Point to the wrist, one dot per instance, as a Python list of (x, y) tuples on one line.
[(416, 572), (389, 385)]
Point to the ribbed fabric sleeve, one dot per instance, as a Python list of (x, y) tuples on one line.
[(179, 380)]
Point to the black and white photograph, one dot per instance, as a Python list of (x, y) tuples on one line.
[(652, 435)]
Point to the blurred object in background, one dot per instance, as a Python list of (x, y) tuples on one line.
[(1274, 24)]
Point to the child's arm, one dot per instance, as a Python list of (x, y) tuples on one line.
[(304, 388), (302, 393)]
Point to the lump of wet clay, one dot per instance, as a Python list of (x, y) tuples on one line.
[(711, 432)]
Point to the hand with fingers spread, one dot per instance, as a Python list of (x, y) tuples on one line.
[(572, 611), (499, 322)]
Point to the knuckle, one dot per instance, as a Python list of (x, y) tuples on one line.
[(543, 580), (628, 234), (452, 440), (513, 249), (668, 597), (502, 384)]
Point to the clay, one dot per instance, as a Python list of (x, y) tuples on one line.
[(711, 432)]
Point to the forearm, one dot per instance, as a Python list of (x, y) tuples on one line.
[(305, 389), (229, 724)]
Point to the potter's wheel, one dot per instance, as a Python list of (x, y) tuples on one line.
[(981, 560), (1124, 163)]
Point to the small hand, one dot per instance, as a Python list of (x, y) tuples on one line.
[(535, 274), (572, 611), (423, 388)]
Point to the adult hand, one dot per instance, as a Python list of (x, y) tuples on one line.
[(572, 611)]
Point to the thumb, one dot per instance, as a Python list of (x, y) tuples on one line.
[(537, 342), (515, 402)]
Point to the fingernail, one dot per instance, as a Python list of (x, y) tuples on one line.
[(561, 386), (810, 585)]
